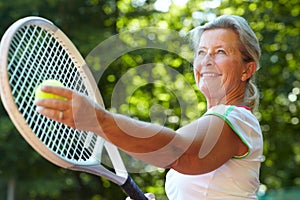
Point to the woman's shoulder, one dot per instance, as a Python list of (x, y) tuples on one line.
[(226, 110)]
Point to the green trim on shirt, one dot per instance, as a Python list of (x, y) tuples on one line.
[(224, 117)]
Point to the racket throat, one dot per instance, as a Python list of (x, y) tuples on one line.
[(100, 170)]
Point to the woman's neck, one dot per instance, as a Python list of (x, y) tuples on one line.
[(237, 100)]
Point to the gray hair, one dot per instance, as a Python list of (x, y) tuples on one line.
[(249, 48)]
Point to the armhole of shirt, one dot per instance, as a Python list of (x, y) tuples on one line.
[(224, 117)]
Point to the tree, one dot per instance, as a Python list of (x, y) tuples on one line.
[(90, 22)]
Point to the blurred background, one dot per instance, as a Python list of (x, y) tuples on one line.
[(26, 175)]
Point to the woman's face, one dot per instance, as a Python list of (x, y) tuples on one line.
[(218, 65)]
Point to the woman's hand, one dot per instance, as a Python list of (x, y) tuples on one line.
[(77, 111)]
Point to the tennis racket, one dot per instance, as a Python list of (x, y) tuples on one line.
[(33, 50)]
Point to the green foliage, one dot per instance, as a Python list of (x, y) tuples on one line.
[(90, 22)]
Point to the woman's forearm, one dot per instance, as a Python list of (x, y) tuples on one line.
[(151, 143)]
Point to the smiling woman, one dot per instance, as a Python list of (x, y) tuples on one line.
[(219, 69), (218, 155), (247, 46)]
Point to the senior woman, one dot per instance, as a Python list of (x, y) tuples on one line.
[(218, 155)]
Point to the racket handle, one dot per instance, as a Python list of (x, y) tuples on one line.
[(132, 190)]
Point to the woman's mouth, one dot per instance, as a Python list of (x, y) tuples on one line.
[(210, 74)]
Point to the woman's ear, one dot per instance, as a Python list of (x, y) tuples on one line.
[(249, 71)]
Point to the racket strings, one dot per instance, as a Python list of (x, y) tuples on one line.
[(35, 55)]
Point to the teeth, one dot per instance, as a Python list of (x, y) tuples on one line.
[(210, 75)]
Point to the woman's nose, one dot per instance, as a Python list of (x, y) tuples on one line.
[(207, 60)]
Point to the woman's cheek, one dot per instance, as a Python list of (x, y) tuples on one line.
[(196, 75)]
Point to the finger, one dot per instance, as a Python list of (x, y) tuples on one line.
[(57, 90), (54, 104), (150, 196), (56, 115)]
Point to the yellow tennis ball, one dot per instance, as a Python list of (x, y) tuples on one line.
[(39, 94)]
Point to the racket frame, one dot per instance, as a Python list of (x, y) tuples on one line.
[(120, 177)]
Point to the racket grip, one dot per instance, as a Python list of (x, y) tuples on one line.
[(132, 190)]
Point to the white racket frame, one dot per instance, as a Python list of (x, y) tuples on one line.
[(120, 175)]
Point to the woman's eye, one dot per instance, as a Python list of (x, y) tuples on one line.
[(201, 52), (221, 51)]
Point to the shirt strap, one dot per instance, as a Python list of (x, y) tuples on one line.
[(246, 107)]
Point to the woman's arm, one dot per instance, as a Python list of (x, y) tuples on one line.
[(214, 144), (154, 144), (197, 148)]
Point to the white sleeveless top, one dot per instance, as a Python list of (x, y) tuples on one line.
[(237, 179)]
